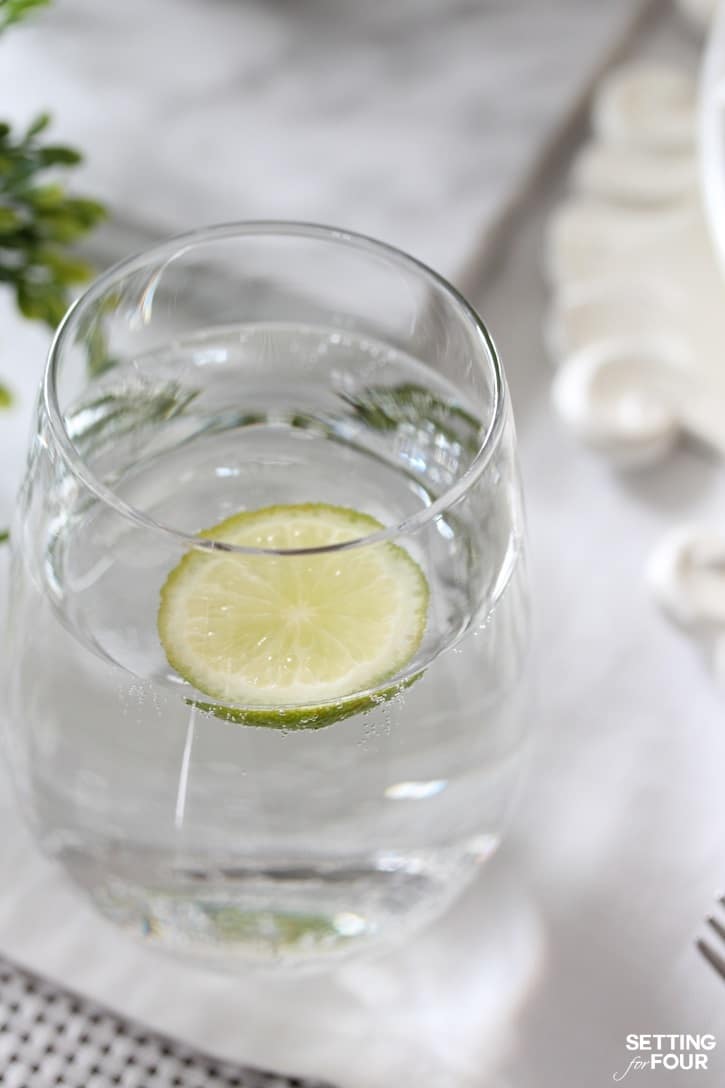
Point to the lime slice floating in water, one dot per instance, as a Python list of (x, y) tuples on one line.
[(288, 640)]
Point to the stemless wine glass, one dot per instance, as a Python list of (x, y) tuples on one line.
[(295, 734)]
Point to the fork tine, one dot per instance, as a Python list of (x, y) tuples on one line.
[(717, 926), (712, 957)]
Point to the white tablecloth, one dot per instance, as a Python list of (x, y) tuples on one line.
[(581, 930)]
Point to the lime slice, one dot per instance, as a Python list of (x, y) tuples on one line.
[(293, 640)]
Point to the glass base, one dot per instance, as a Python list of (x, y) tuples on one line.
[(285, 916)]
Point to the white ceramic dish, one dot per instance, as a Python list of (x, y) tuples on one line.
[(637, 310)]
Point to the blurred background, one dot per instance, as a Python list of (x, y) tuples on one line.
[(415, 121)]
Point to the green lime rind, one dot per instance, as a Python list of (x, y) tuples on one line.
[(304, 717), (286, 716), (232, 926)]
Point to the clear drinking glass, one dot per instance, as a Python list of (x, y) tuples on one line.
[(236, 369)]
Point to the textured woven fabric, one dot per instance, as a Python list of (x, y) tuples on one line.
[(50, 1036)]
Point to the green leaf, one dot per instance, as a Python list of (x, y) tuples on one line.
[(37, 126), (28, 303), (39, 221), (44, 302), (4, 535), (67, 269), (67, 219), (10, 220), (51, 228), (56, 155), (12, 11), (88, 212), (46, 196), (6, 397)]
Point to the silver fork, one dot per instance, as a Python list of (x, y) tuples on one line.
[(714, 958)]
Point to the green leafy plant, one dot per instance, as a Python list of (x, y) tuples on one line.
[(39, 220), (12, 11)]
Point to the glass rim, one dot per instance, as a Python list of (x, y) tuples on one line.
[(177, 245)]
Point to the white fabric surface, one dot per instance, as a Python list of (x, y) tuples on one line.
[(581, 930)]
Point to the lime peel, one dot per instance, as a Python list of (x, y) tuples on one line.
[(304, 717)]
